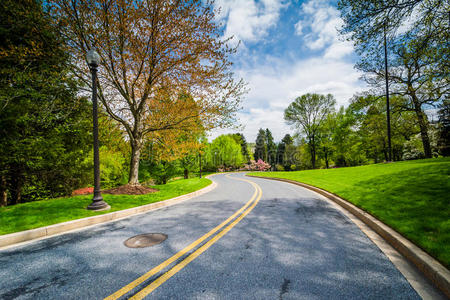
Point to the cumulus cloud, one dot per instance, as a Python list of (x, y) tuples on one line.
[(248, 20), (271, 91), (323, 21), (275, 81)]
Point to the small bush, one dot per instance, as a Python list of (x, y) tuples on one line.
[(279, 168)]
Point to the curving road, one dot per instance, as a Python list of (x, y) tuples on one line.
[(247, 239)]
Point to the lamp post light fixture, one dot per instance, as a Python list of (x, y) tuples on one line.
[(97, 201)]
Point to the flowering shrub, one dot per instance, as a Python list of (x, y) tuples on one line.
[(83, 191), (259, 165)]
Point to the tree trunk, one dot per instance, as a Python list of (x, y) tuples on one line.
[(423, 125), (326, 157), (186, 173), (134, 163), (3, 192), (313, 154), (16, 188)]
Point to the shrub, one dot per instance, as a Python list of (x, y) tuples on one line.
[(279, 168)]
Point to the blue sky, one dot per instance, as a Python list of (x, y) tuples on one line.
[(288, 48)]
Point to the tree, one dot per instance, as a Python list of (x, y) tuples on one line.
[(240, 138), (368, 120), (326, 146), (444, 128), (417, 57), (281, 149), (44, 126), (148, 48), (271, 148), (414, 73), (307, 113), (261, 146), (224, 152)]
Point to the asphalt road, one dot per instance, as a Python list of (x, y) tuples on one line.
[(289, 245)]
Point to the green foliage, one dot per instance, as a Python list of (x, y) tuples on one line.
[(271, 148), (113, 170), (44, 125), (307, 113), (162, 171), (444, 129), (224, 151), (240, 139), (416, 56), (279, 168), (261, 146), (409, 196)]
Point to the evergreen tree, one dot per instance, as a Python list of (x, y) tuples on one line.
[(44, 126), (243, 142), (271, 148), (281, 149), (261, 146)]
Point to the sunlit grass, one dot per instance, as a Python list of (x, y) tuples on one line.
[(413, 197), (47, 212)]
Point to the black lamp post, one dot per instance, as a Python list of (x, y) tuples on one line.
[(200, 164), (97, 202)]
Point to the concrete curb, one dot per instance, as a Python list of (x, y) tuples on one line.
[(430, 267), (47, 231)]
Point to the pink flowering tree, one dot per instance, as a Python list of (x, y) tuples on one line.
[(259, 165)]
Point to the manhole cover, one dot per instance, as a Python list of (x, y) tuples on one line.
[(145, 240)]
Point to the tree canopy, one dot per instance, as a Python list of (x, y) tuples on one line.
[(148, 48)]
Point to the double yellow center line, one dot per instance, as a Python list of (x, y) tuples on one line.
[(217, 233)]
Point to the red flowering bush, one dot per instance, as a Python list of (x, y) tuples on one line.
[(83, 191)]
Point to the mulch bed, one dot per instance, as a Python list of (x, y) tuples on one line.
[(120, 190), (129, 189)]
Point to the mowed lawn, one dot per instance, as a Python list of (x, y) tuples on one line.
[(413, 197), (47, 212)]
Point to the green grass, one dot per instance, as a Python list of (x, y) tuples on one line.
[(47, 212), (413, 197)]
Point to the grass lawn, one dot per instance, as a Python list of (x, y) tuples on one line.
[(47, 212), (413, 197)]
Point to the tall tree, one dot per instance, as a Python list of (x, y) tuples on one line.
[(225, 152), (261, 146), (418, 57), (240, 139), (414, 73), (271, 148), (444, 128), (146, 47), (285, 151), (44, 126), (306, 113)]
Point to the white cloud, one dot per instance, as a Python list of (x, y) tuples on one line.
[(299, 28), (271, 91), (248, 20), (323, 21), (275, 82)]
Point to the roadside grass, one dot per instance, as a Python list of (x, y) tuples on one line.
[(413, 197), (36, 214)]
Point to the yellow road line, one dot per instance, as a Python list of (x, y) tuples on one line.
[(176, 256), (160, 280)]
